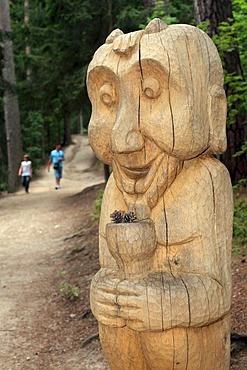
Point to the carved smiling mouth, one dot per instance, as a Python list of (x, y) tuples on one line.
[(133, 168), (135, 173)]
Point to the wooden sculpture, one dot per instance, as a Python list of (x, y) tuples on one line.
[(162, 296)]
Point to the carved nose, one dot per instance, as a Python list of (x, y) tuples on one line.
[(126, 139), (126, 136)]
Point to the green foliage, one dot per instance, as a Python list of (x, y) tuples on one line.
[(226, 42), (162, 11), (32, 137), (236, 84), (204, 26), (4, 178), (97, 206), (242, 151), (232, 37), (236, 96), (240, 225), (172, 12), (68, 290), (131, 17), (61, 36), (239, 187), (183, 11), (240, 15)]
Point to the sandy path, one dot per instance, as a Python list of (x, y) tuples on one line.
[(30, 231)]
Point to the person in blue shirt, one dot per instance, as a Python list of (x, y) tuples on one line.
[(56, 159)]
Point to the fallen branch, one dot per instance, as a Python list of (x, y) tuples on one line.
[(81, 233), (90, 339)]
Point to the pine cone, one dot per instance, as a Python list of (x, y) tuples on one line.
[(117, 216), (129, 217)]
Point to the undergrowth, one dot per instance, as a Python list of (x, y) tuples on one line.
[(240, 225), (67, 289), (97, 206)]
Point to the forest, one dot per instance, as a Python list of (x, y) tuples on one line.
[(46, 46)]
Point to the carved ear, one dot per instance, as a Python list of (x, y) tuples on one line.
[(156, 25), (113, 35), (217, 119)]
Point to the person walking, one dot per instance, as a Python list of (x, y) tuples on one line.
[(26, 172), (56, 159)]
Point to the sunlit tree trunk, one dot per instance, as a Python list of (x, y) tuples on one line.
[(26, 20), (1, 164), (110, 26), (80, 123), (216, 12), (67, 130), (149, 2), (11, 107)]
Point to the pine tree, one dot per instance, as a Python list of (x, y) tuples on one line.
[(11, 106)]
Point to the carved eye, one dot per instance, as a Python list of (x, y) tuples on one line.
[(151, 87), (107, 94)]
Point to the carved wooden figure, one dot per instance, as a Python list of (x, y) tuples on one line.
[(162, 296)]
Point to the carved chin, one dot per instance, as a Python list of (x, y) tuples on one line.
[(148, 182)]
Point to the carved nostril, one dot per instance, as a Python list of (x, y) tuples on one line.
[(131, 142), (135, 140)]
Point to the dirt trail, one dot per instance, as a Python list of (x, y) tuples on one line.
[(31, 226)]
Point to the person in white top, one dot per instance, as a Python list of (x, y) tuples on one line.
[(25, 171)]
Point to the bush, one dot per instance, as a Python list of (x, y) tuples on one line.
[(68, 290), (97, 206), (240, 225)]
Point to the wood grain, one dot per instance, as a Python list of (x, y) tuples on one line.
[(163, 294)]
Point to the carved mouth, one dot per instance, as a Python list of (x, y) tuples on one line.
[(135, 173), (135, 170)]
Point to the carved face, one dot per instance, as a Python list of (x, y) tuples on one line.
[(150, 95)]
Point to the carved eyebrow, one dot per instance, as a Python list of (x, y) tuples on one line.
[(159, 68), (102, 71), (98, 68)]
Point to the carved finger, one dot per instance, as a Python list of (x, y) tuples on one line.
[(130, 313), (127, 301), (129, 288), (111, 321), (107, 310)]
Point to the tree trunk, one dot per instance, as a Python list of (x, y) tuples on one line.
[(110, 20), (80, 123), (67, 131), (217, 11), (28, 50), (148, 3), (11, 107)]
